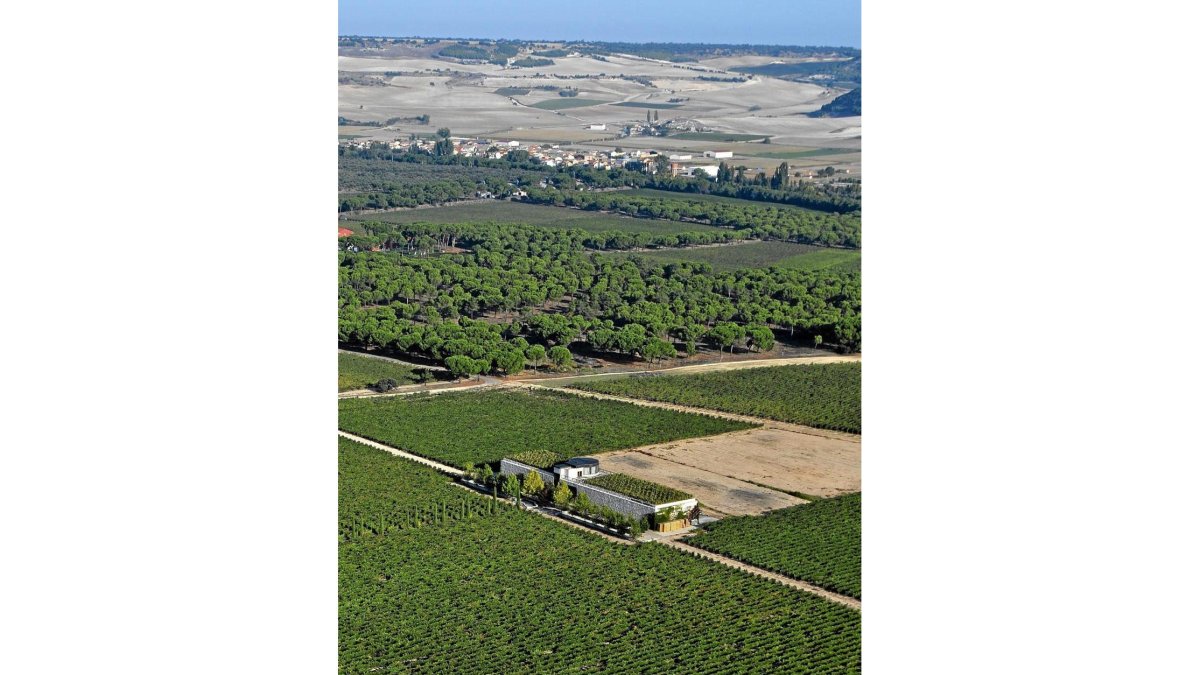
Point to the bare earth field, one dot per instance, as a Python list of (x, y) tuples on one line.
[(721, 470), (462, 98), (717, 493), (808, 462)]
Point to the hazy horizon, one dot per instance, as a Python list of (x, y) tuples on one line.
[(804, 23)]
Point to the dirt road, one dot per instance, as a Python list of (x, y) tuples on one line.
[(758, 571), (444, 468), (402, 362)]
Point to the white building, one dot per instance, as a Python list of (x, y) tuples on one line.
[(577, 467), (597, 127), (718, 154), (679, 158)]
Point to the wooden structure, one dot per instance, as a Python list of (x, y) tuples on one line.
[(671, 525)]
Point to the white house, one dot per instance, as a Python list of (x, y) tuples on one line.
[(597, 127), (718, 154), (577, 467)]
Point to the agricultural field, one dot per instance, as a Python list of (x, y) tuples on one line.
[(379, 493), (647, 104), (533, 214), (475, 427), (564, 103), (757, 254), (717, 136), (819, 542), (801, 154), (646, 491), (825, 396), (515, 592), (721, 199), (359, 372)]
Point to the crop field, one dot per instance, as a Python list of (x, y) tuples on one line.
[(754, 254), (647, 104), (651, 493), (819, 542), (563, 103), (717, 136), (697, 197), (475, 427), (379, 493), (826, 396), (515, 592), (803, 154), (533, 214), (360, 372), (512, 91)]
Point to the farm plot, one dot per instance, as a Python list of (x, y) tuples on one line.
[(721, 199), (474, 427), (825, 396), (648, 104), (646, 491), (717, 492), (717, 136), (755, 254), (533, 214), (360, 372), (379, 493), (819, 542), (778, 457), (515, 592), (565, 103)]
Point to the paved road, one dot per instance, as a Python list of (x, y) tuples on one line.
[(758, 571)]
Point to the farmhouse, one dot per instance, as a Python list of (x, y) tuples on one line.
[(577, 472), (577, 467)]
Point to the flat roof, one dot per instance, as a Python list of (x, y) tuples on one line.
[(578, 462)]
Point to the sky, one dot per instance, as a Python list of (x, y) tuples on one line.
[(832, 23)]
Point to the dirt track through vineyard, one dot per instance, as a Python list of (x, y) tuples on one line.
[(758, 571)]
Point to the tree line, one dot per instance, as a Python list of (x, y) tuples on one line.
[(520, 286)]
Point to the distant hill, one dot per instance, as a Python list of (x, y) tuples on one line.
[(848, 104)]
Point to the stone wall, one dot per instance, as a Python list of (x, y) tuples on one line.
[(509, 466), (597, 495)]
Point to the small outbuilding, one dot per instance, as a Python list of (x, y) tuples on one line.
[(577, 467)]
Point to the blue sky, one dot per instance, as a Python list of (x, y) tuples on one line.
[(785, 22)]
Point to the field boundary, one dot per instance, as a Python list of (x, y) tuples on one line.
[(758, 571), (401, 453)]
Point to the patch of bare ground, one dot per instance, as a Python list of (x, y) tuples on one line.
[(720, 494), (810, 462)]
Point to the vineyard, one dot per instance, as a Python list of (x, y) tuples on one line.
[(644, 490), (826, 396), (379, 493), (474, 427), (758, 254), (360, 372), (820, 542), (545, 598)]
